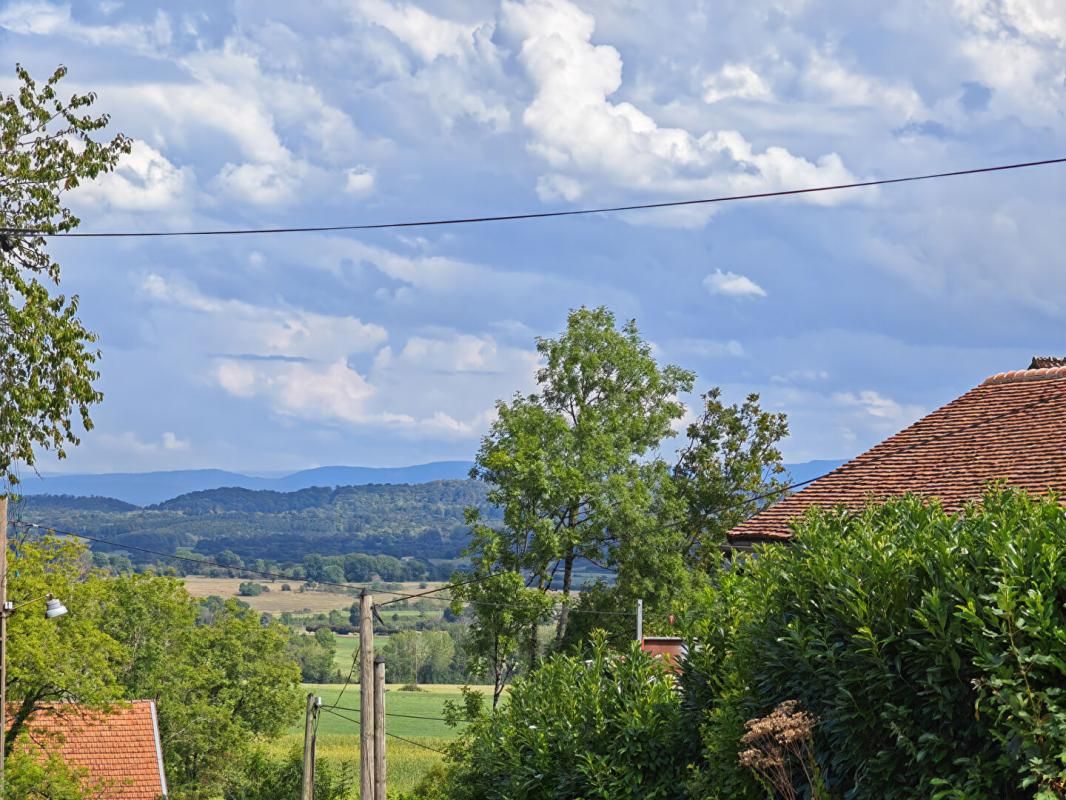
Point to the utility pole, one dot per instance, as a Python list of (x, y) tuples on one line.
[(379, 728), (640, 621), (366, 696), (307, 791), (3, 642)]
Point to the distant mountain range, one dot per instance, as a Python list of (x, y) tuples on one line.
[(150, 488)]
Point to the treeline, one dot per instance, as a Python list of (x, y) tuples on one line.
[(426, 520), (891, 653)]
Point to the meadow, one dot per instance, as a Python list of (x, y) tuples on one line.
[(409, 758), (276, 601)]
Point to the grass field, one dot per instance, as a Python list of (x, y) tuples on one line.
[(346, 647), (338, 738), (275, 601)]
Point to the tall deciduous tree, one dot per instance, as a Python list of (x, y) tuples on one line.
[(48, 146), (566, 464), (729, 469)]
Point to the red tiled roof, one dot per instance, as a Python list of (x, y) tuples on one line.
[(1011, 428), (119, 749)]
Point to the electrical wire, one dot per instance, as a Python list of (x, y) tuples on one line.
[(390, 714), (534, 215), (358, 724), (351, 673)]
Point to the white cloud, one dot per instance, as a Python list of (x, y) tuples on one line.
[(171, 441), (1016, 47), (583, 135), (247, 329), (261, 184), (35, 17), (830, 81), (735, 81), (881, 408), (145, 180), (359, 180), (731, 284), (429, 36)]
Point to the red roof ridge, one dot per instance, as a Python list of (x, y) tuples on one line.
[(1027, 375)]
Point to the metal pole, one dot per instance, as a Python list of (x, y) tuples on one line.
[(640, 621), (3, 642), (307, 791), (366, 696), (379, 728)]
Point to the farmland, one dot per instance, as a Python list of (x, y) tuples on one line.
[(275, 600), (338, 738)]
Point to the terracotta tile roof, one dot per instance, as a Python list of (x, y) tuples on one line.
[(119, 749), (1012, 428)]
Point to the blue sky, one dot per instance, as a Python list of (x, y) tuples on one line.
[(854, 313)]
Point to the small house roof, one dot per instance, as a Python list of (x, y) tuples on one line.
[(1010, 428), (119, 748)]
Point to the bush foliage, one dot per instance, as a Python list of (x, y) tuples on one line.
[(605, 728), (931, 647)]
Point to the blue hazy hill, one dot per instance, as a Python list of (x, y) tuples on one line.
[(149, 488)]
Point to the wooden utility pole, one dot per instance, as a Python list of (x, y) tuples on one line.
[(307, 791), (366, 695), (379, 728), (3, 641)]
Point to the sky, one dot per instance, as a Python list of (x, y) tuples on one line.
[(855, 312)]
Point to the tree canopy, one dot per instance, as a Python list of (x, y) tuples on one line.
[(48, 146)]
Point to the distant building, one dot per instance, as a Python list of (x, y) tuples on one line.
[(119, 750), (671, 649), (1011, 428)]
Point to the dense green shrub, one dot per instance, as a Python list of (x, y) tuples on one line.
[(606, 728), (261, 776), (931, 647)]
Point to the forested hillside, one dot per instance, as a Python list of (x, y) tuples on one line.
[(424, 520)]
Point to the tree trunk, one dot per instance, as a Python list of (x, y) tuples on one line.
[(564, 613), (533, 644)]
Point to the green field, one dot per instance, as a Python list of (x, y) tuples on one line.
[(338, 738), (346, 647)]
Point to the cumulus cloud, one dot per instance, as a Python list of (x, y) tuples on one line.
[(584, 135), (428, 35), (358, 180), (732, 284), (40, 18), (735, 80), (261, 330), (145, 180)]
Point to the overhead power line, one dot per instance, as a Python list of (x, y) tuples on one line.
[(532, 215), (393, 735)]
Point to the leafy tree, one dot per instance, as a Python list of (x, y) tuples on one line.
[(728, 470), (68, 658), (415, 656), (565, 464), (47, 148), (218, 683), (314, 654), (610, 727)]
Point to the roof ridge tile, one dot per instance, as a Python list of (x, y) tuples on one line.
[(1026, 375)]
